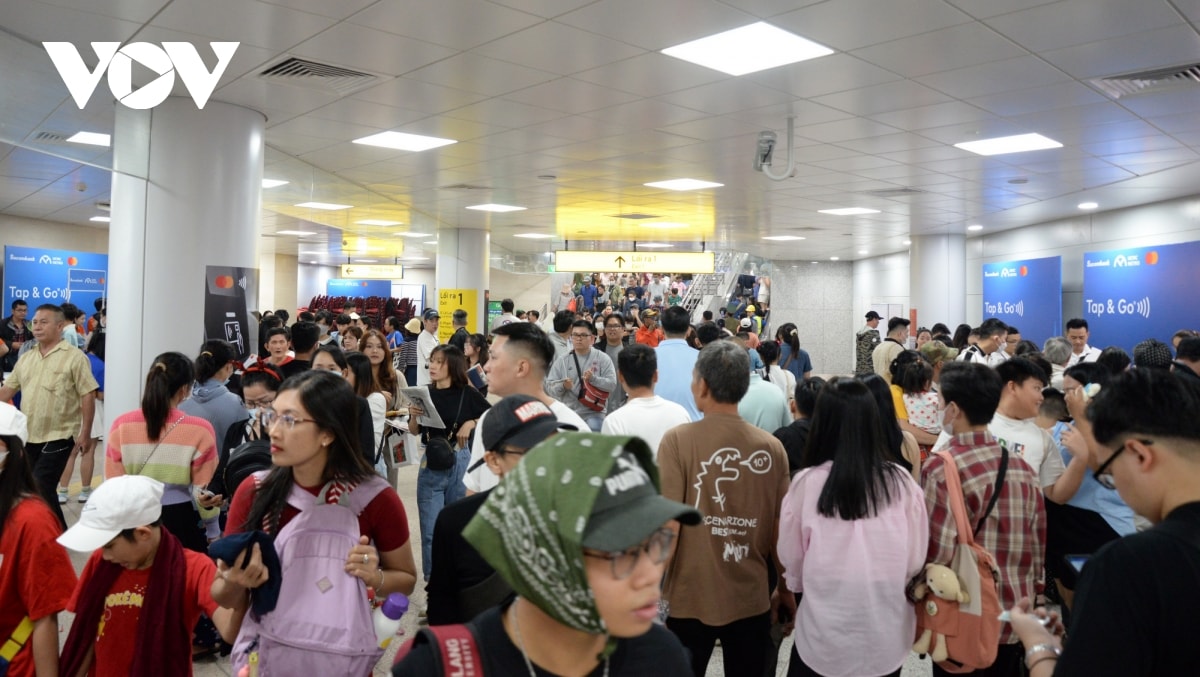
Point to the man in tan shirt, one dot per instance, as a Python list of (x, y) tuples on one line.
[(58, 395), (893, 345), (736, 475)]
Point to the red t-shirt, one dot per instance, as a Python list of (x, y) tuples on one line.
[(36, 576), (116, 636), (383, 520)]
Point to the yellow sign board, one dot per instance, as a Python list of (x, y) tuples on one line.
[(450, 300), (634, 262), (366, 271)]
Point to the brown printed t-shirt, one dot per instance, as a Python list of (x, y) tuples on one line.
[(736, 475)]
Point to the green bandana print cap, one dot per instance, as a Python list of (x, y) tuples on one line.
[(531, 527)]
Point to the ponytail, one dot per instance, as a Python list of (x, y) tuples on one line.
[(214, 355), (169, 373)]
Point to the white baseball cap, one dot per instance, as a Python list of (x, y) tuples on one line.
[(13, 422), (120, 503), (746, 323)]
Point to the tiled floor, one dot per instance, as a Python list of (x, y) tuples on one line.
[(407, 487)]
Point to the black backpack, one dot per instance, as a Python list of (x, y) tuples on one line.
[(247, 459)]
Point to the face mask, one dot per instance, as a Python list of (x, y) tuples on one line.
[(947, 423), (254, 413)]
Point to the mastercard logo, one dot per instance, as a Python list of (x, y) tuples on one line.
[(101, 280), (1024, 271), (224, 282), (1151, 258), (362, 284), (71, 261)]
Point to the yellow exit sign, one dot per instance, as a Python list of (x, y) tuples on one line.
[(366, 271), (634, 262)]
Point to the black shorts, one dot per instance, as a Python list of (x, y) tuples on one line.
[(1073, 531)]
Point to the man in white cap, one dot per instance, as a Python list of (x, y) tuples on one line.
[(140, 593)]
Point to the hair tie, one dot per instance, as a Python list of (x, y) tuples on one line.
[(206, 353), (793, 332), (159, 365)]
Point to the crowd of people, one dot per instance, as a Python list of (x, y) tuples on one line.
[(616, 494)]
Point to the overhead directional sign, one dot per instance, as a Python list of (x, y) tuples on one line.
[(366, 271), (633, 262)]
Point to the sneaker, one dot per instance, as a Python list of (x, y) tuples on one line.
[(62, 495), (85, 495)]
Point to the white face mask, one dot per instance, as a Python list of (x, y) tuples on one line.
[(947, 423)]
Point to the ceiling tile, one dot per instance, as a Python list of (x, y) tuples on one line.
[(982, 9), (39, 22), (1075, 22), (651, 74), (335, 10), (656, 25), (727, 96), (1174, 45), (570, 96), (248, 21), (375, 51), (955, 47), (544, 8), (1023, 72), (645, 113), (419, 96), (367, 114), (480, 74), (460, 24), (828, 74), (1058, 95), (843, 130), (558, 48), (889, 96), (842, 25)]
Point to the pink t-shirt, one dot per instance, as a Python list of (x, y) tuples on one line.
[(853, 575)]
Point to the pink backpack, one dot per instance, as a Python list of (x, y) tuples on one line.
[(322, 624)]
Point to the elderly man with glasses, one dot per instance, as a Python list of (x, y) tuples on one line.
[(575, 377)]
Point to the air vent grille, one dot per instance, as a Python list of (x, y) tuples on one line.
[(463, 186), (635, 216), (49, 137), (1119, 86), (893, 192), (314, 75)]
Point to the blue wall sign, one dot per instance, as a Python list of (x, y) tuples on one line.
[(40, 276), (360, 289), (1130, 295), (1027, 295)]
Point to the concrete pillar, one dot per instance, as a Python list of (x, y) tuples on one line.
[(938, 279)]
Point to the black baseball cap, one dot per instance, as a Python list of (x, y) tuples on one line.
[(430, 314), (872, 315), (521, 421)]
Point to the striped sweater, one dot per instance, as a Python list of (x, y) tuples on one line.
[(186, 456)]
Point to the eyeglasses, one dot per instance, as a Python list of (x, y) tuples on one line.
[(264, 402), (580, 336), (1103, 476), (657, 548), (270, 417)]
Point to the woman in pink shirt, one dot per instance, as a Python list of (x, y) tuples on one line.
[(852, 532)]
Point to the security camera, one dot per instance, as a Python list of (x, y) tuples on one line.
[(766, 147)]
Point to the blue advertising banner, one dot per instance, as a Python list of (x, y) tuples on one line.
[(1026, 295), (53, 276), (1130, 295), (358, 288)]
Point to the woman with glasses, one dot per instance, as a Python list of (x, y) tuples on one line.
[(583, 364), (459, 405), (589, 505), (314, 449), (853, 530), (259, 385)]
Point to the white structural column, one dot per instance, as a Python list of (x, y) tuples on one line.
[(937, 279), (462, 263), (186, 194)]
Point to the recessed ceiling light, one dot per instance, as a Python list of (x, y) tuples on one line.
[(313, 262), (974, 227), (490, 207), (848, 211), (299, 233), (414, 258), (748, 49), (430, 242), (92, 138), (863, 251), (833, 258), (783, 238), (378, 222), (534, 236), (908, 242), (367, 260), (100, 219), (273, 183), (1088, 205), (402, 141), (814, 263), (412, 234), (497, 258), (654, 245), (663, 224), (328, 206), (1009, 144), (683, 184)]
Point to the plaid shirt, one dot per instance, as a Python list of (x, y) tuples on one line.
[(1015, 531)]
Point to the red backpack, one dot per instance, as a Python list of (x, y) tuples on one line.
[(968, 631), (459, 652)]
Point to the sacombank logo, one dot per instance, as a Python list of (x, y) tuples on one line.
[(117, 61)]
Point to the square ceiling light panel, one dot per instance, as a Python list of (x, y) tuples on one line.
[(748, 49), (496, 208), (683, 184), (91, 138), (1009, 144), (848, 211), (402, 141)]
